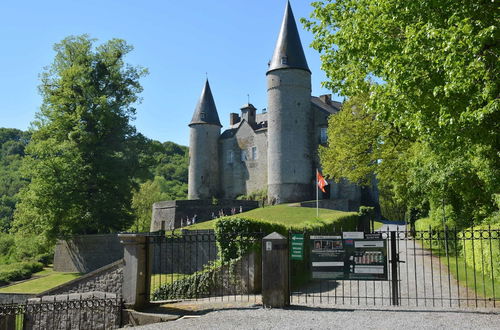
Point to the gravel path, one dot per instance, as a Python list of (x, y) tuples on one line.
[(312, 317)]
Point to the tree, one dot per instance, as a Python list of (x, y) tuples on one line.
[(12, 144), (430, 69), (81, 158), (167, 180)]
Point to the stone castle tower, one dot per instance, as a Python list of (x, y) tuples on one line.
[(275, 150), (290, 119), (203, 145)]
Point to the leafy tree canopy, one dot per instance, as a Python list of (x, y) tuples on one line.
[(82, 158), (427, 73)]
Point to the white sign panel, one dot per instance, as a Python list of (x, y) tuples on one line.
[(353, 235), (360, 244)]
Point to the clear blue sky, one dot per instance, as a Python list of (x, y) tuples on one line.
[(178, 41)]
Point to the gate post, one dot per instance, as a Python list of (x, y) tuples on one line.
[(394, 270), (135, 270), (275, 290)]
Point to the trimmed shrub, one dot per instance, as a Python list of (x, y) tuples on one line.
[(19, 271), (477, 252)]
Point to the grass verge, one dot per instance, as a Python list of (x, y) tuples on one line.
[(46, 279)]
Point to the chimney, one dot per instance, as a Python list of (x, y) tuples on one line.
[(326, 98), (233, 118)]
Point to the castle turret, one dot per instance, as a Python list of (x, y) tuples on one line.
[(290, 169), (203, 181)]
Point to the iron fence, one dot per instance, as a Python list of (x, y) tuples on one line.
[(200, 265), (73, 312), (447, 268)]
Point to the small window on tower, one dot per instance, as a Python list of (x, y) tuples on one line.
[(202, 116), (243, 155), (254, 153), (230, 156), (323, 137), (284, 60)]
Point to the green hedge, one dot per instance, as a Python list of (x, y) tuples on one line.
[(478, 254), (19, 271)]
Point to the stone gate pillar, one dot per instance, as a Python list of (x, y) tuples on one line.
[(275, 288), (135, 288)]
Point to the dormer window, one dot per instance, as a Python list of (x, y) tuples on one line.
[(284, 60), (202, 116)]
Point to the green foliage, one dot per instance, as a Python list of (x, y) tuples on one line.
[(237, 235), (166, 167), (258, 195), (197, 285), (426, 73), (367, 211), (483, 253), (12, 144), (18, 271), (81, 159)]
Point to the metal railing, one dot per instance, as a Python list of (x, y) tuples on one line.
[(189, 265), (73, 312), (446, 268)]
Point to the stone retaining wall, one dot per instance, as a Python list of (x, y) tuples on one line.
[(86, 253), (106, 279)]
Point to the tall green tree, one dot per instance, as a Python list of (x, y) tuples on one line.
[(81, 159), (430, 69)]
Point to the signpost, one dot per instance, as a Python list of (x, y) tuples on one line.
[(297, 250), (352, 256)]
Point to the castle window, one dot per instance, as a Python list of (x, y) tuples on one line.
[(230, 156), (254, 153), (284, 60), (243, 155), (323, 135)]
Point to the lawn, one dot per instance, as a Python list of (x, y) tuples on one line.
[(45, 280), (291, 216)]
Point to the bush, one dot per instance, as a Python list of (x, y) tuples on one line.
[(258, 195), (7, 245), (478, 254), (237, 235), (19, 271)]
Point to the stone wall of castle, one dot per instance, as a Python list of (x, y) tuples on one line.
[(167, 215), (243, 175)]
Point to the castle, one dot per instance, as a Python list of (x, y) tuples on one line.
[(275, 150)]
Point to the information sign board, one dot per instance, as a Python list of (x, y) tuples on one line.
[(352, 256), (297, 247)]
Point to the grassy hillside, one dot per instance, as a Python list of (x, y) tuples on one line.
[(293, 217)]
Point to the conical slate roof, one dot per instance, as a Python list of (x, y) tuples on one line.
[(288, 52), (205, 112)]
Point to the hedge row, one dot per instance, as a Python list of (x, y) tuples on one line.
[(476, 253), (19, 271), (484, 253)]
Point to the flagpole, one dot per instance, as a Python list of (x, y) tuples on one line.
[(317, 195)]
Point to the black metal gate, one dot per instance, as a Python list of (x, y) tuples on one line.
[(188, 265), (449, 268)]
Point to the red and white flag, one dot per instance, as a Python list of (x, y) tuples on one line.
[(321, 181)]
